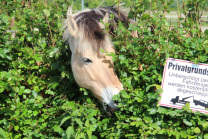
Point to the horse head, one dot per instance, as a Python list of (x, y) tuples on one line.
[(91, 68)]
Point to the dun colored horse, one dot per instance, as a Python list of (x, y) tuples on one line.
[(85, 34)]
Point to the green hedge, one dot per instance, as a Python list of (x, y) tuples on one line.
[(39, 97)]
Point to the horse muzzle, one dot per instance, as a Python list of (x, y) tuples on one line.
[(109, 110)]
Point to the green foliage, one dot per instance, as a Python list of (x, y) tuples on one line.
[(40, 99), (77, 4)]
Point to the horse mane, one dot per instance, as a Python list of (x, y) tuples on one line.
[(88, 22)]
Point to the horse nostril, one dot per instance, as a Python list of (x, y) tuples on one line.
[(116, 102), (110, 110), (111, 107)]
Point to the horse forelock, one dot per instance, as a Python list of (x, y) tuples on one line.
[(90, 30)]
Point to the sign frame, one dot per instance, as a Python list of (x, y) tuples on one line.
[(180, 100)]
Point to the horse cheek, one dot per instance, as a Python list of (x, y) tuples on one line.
[(77, 71)]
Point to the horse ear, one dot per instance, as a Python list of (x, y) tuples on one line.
[(105, 20), (72, 26)]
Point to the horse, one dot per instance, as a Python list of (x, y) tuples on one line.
[(92, 69)]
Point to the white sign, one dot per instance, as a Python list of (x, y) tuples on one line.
[(185, 82)]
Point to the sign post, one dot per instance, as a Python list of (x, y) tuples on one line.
[(185, 82)]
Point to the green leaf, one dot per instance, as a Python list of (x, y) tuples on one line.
[(12, 94), (16, 128), (148, 87), (1, 90), (162, 110), (31, 101), (34, 93), (203, 58), (49, 92), (69, 132), (94, 137), (87, 123), (27, 91), (205, 42), (152, 111), (206, 136), (27, 121), (205, 125), (30, 39), (53, 52), (47, 12), (197, 130), (122, 57), (125, 94), (89, 133), (35, 113), (206, 31), (173, 113), (21, 90), (145, 16), (187, 106), (187, 122), (64, 120), (80, 123), (57, 128), (2, 133), (184, 134)]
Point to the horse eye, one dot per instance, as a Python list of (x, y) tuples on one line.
[(87, 60)]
